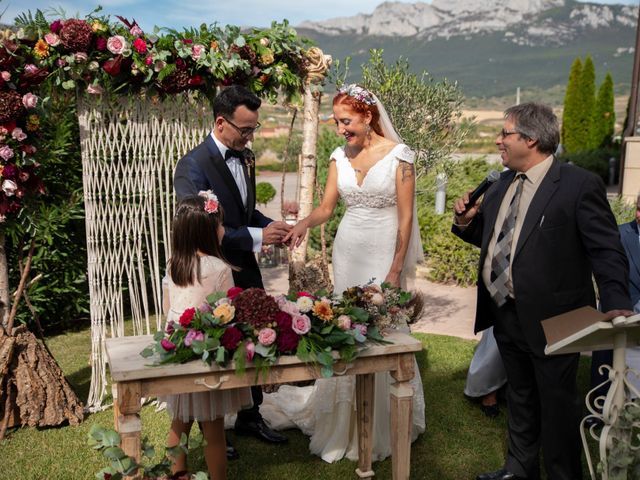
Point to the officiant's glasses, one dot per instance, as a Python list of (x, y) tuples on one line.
[(505, 133), (244, 131)]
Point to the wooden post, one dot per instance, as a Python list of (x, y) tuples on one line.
[(401, 415), (128, 423), (5, 306), (364, 410)]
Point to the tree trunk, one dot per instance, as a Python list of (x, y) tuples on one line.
[(5, 304), (307, 181), (41, 395)]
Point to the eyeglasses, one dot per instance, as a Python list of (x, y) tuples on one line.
[(505, 133), (244, 131)]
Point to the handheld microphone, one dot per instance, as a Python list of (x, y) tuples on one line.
[(480, 189)]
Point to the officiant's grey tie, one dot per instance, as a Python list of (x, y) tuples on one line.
[(502, 253)]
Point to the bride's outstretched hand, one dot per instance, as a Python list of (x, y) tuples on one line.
[(393, 279), (295, 236)]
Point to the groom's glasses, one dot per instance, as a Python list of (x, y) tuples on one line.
[(244, 131), (505, 133)]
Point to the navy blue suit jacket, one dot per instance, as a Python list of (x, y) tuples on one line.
[(568, 234), (204, 168), (629, 236)]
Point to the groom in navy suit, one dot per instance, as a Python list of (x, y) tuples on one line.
[(222, 163)]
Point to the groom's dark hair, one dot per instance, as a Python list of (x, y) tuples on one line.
[(230, 98)]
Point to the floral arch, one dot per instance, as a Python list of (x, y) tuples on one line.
[(143, 101)]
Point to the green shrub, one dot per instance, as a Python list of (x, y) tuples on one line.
[(623, 211), (265, 192), (596, 161), (449, 259)]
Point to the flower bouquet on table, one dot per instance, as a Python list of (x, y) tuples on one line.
[(252, 326)]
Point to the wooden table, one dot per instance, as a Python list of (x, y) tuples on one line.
[(135, 378)]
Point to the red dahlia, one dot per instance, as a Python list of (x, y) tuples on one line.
[(76, 35), (255, 307)]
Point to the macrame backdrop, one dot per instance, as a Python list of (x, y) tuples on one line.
[(129, 150)]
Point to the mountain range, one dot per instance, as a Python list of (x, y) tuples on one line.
[(489, 47)]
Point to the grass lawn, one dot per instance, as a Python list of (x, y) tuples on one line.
[(459, 443)]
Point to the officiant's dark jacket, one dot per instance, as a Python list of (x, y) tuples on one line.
[(568, 233), (204, 168), (631, 244)]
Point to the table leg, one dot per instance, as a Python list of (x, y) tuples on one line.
[(128, 423), (401, 417), (364, 411)]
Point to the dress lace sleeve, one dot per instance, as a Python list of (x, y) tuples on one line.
[(337, 154), (405, 154)]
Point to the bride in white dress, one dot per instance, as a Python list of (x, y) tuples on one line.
[(378, 239)]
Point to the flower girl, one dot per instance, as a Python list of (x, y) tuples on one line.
[(197, 269)]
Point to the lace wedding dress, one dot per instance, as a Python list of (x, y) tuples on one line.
[(215, 276), (363, 250)]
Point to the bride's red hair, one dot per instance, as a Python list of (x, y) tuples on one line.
[(361, 108)]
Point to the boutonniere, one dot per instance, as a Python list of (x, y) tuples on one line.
[(249, 160)]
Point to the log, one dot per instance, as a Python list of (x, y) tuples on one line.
[(43, 396)]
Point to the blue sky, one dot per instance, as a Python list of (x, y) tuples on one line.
[(186, 13)]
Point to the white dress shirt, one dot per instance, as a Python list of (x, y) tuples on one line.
[(237, 171)]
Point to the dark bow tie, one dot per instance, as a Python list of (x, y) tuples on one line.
[(233, 154)]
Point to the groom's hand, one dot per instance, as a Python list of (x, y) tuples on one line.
[(275, 232)]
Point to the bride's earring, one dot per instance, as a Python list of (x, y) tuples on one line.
[(368, 132)]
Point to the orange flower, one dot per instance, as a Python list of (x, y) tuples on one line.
[(214, 45), (323, 311), (41, 50)]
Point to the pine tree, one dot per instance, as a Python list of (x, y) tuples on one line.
[(571, 108), (587, 98), (604, 116)]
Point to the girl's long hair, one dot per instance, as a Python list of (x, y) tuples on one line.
[(193, 230)]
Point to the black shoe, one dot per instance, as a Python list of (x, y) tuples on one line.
[(501, 474), (491, 411), (232, 453), (259, 429)]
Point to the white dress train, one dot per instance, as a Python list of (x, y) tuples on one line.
[(363, 251)]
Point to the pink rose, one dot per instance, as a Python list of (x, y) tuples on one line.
[(250, 349), (29, 100), (136, 31), (197, 52), (301, 324), (116, 44), (31, 68), (205, 308), (9, 188), (168, 345), (193, 335), (290, 308), (95, 89), (80, 57), (6, 152), (344, 322), (18, 134), (267, 336), (159, 65), (148, 60), (360, 328), (6, 76), (52, 39), (61, 62), (140, 45)]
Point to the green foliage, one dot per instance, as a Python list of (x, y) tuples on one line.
[(571, 109), (56, 221), (449, 259), (587, 99), (265, 192), (424, 112), (596, 161), (278, 145), (623, 459), (623, 211), (107, 441), (604, 115)]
